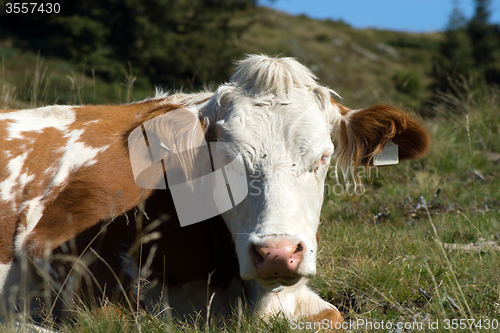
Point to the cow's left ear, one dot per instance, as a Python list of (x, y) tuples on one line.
[(362, 134)]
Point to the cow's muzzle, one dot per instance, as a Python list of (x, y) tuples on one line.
[(277, 259)]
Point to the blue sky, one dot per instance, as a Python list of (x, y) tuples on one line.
[(400, 15)]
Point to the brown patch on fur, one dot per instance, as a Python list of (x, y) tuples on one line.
[(364, 133), (332, 315), (7, 243), (8, 229), (36, 164)]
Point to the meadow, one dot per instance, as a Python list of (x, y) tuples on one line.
[(418, 247)]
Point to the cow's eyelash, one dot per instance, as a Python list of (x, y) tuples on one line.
[(322, 161), (325, 157)]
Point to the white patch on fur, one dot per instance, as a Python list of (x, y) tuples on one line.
[(14, 167), (24, 179), (57, 116), (34, 211), (50, 171), (76, 155), (91, 122)]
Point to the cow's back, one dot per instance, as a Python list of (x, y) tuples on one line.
[(64, 167)]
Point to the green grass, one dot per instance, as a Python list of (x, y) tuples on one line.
[(385, 254)]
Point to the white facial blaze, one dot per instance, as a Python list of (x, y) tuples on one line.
[(279, 119), (285, 205)]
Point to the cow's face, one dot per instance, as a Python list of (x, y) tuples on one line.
[(286, 149), (284, 141), (282, 126)]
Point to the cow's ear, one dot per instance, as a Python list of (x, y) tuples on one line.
[(362, 134)]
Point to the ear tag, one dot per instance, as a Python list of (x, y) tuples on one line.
[(388, 156)]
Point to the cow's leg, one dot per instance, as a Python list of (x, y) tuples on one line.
[(27, 283), (298, 302), (14, 293), (9, 288), (22, 289), (4, 273)]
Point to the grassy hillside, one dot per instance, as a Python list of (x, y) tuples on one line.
[(419, 246), (29, 80), (363, 66)]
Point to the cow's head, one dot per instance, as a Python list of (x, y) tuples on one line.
[(286, 128)]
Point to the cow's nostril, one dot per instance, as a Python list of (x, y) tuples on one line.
[(257, 258), (299, 248)]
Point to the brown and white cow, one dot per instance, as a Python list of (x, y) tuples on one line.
[(66, 172)]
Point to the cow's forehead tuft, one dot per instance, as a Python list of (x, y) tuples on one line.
[(262, 75)]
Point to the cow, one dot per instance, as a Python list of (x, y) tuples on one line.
[(75, 212)]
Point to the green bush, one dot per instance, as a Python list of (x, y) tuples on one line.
[(412, 42), (408, 83), (174, 43)]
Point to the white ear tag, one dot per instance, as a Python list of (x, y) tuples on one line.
[(388, 156)]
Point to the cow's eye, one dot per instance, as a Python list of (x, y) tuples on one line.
[(324, 160)]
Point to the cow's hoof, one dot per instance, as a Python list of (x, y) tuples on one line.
[(327, 320)]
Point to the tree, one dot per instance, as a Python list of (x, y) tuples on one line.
[(455, 52), (172, 42), (484, 38), (469, 48)]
